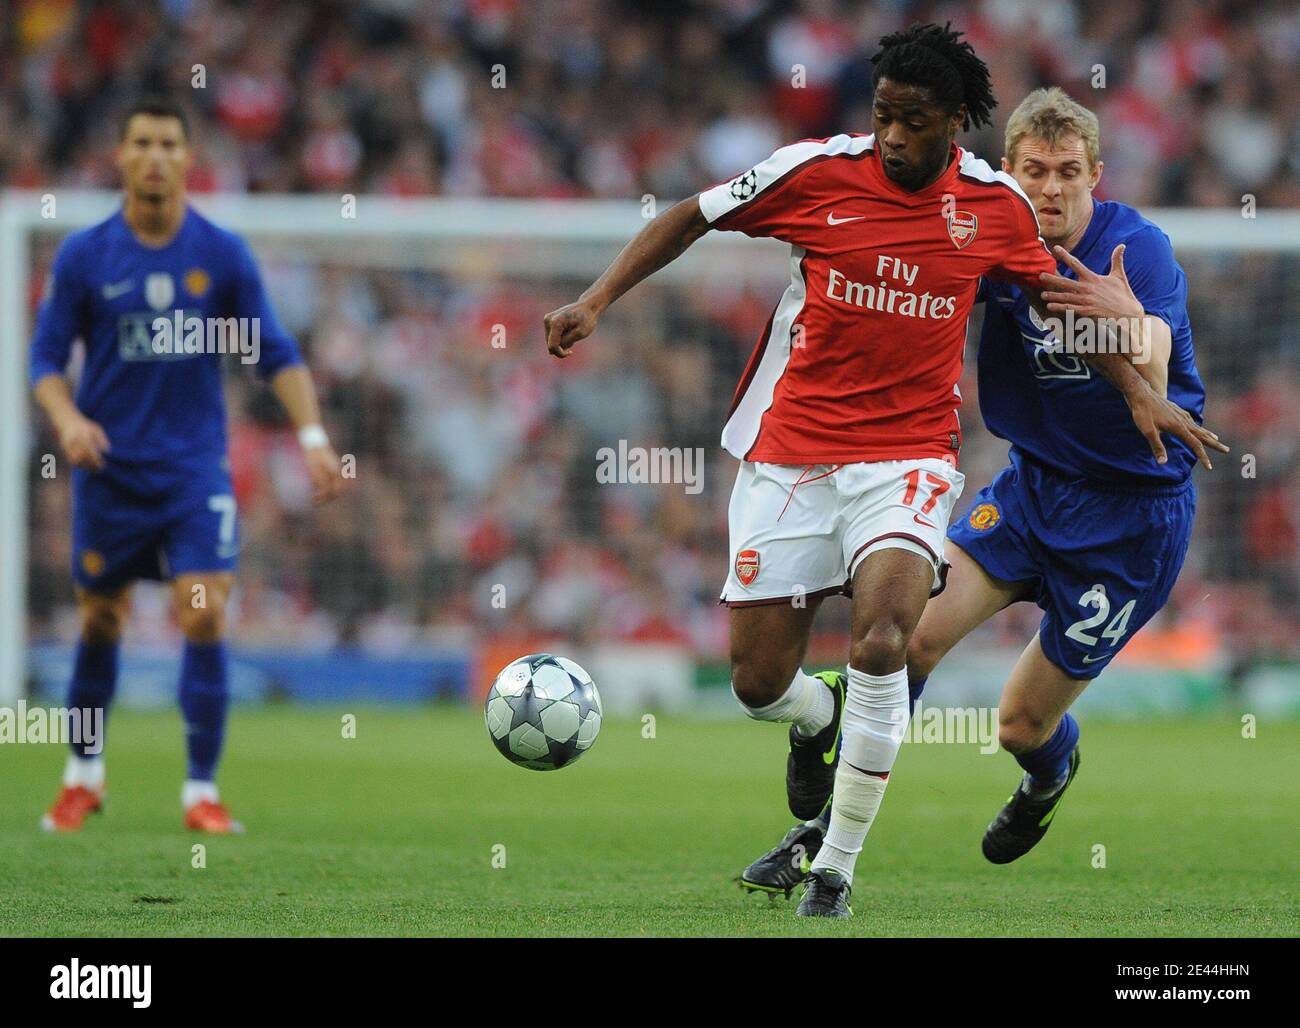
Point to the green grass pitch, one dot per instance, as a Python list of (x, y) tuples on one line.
[(393, 833)]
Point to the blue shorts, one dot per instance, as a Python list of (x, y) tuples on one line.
[(1100, 561), (155, 521)]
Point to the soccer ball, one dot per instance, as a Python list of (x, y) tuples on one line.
[(542, 712)]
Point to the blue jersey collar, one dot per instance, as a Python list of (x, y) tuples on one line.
[(132, 238)]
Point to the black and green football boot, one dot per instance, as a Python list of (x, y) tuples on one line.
[(825, 894), (1024, 820), (784, 866), (810, 768)]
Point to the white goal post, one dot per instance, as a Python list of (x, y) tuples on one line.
[(517, 239)]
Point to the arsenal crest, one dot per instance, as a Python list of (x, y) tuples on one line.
[(962, 226), (747, 567)]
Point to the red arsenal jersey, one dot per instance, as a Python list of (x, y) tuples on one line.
[(860, 359)]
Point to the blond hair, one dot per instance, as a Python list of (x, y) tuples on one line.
[(1051, 116)]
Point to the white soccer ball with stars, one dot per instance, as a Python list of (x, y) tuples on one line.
[(543, 712)]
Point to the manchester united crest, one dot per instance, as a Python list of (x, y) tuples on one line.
[(984, 517), (962, 226), (92, 563), (197, 281), (747, 567)]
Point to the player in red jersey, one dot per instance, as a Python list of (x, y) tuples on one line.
[(846, 417)]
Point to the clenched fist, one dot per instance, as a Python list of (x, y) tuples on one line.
[(566, 325)]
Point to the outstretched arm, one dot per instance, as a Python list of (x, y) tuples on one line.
[(662, 241), (1148, 337), (1152, 413)]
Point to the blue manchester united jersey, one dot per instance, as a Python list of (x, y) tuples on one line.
[(1049, 404), (158, 324), (151, 320)]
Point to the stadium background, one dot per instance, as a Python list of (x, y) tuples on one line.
[(476, 464)]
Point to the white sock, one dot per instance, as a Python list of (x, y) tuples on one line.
[(857, 798), (87, 772), (193, 792), (875, 718), (807, 704), (818, 716)]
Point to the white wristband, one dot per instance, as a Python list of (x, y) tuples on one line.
[(312, 436)]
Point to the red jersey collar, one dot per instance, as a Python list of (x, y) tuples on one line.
[(940, 185)]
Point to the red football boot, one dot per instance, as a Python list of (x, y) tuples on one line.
[(71, 808), (211, 817)]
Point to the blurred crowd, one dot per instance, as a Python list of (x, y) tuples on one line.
[(616, 99), (476, 509)]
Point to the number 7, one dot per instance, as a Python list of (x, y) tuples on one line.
[(224, 504)]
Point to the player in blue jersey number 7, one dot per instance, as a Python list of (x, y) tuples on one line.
[(1085, 521), (146, 437)]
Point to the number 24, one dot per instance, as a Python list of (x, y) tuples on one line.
[(1096, 597)]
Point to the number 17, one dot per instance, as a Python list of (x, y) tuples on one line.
[(913, 480)]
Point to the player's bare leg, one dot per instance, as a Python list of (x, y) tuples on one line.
[(102, 617), (890, 588), (1035, 727), (201, 604), (969, 598), (768, 646), (768, 643), (200, 600), (1034, 700)]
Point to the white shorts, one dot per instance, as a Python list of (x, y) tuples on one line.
[(801, 530)]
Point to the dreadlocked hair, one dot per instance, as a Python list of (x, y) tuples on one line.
[(938, 59)]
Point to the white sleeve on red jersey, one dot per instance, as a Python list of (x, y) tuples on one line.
[(1023, 254), (765, 201), (1026, 255)]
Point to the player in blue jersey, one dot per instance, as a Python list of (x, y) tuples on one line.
[(1087, 520), (162, 298)]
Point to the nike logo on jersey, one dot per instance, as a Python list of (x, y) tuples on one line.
[(1093, 660), (112, 292), (922, 521), (832, 220)]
